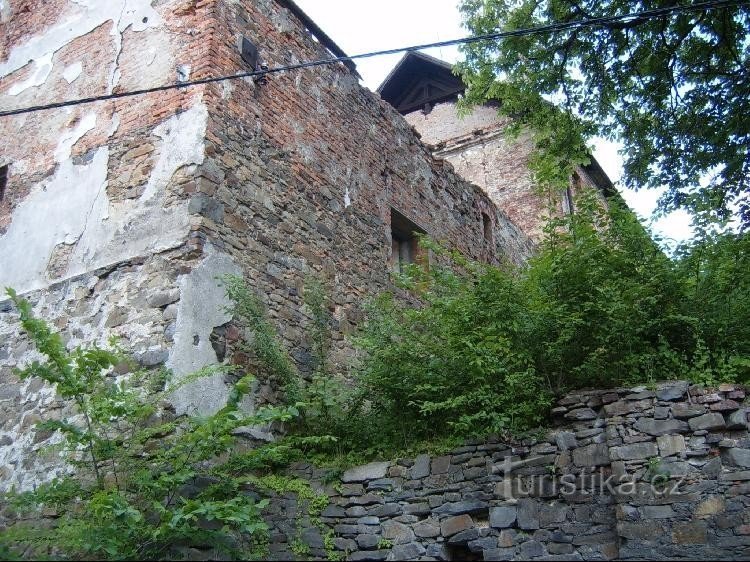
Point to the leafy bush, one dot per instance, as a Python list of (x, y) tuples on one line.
[(144, 483)]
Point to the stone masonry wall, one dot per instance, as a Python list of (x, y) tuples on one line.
[(629, 473), (119, 216), (302, 174)]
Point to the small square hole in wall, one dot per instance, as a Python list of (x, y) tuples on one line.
[(405, 242), (3, 180)]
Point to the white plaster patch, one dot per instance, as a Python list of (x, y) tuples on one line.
[(70, 137), (54, 211), (72, 207), (42, 68), (72, 72), (4, 11), (183, 135), (201, 308)]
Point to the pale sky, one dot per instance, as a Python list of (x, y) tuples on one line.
[(360, 26)]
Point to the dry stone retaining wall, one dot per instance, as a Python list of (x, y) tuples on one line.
[(625, 474)]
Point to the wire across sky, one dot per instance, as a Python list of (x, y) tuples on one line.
[(644, 15)]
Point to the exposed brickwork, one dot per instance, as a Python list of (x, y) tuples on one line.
[(478, 147), (293, 178)]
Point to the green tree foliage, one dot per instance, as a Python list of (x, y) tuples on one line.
[(673, 89)]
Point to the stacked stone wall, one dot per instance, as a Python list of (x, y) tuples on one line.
[(630, 473)]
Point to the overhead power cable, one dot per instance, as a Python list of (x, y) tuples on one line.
[(551, 28)]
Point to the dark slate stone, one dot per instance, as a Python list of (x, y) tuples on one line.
[(707, 421), (438, 551), (596, 454), (410, 551), (464, 536), (528, 514), (566, 440), (738, 419), (386, 484), (480, 545), (333, 511), (672, 391), (386, 510), (458, 508), (363, 555), (503, 517), (531, 549), (453, 525), (368, 542), (421, 468), (661, 427), (738, 457), (499, 554), (581, 414)]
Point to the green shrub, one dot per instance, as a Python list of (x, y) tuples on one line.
[(143, 483)]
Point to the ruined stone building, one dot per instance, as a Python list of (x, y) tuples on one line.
[(116, 217), (425, 91)]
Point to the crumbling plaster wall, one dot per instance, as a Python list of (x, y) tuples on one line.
[(95, 224), (480, 150)]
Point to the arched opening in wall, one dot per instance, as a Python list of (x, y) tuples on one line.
[(486, 227)]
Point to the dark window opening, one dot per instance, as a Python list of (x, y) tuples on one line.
[(405, 242), (487, 227), (3, 181)]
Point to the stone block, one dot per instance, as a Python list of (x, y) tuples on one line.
[(440, 465), (596, 454), (367, 542), (707, 421), (503, 516), (738, 419), (635, 451), (499, 554), (672, 391), (581, 414), (410, 551), (397, 532), (685, 411), (528, 514), (421, 468), (655, 427), (670, 445), (738, 457), (458, 508), (453, 525), (565, 440), (428, 528), (371, 471)]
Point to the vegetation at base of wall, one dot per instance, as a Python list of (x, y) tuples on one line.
[(142, 483), (476, 349), (487, 348)]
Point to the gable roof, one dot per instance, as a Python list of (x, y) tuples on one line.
[(418, 80)]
